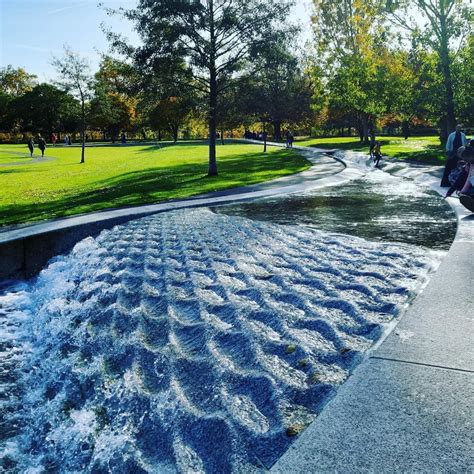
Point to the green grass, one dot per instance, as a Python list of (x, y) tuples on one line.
[(126, 176), (13, 154), (423, 149)]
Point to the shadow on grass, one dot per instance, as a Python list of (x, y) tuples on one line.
[(157, 184), (8, 170)]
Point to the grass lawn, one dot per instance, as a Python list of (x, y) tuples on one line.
[(13, 154), (424, 149), (125, 176)]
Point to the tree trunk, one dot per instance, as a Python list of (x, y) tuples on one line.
[(365, 129), (174, 131), (445, 64), (83, 130), (212, 95), (212, 126), (277, 129)]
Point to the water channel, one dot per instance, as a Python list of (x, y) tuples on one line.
[(204, 340)]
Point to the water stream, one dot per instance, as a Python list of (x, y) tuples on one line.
[(202, 341)]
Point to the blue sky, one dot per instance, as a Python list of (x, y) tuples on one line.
[(33, 31)]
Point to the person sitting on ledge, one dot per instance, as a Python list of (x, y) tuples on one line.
[(466, 195), (458, 177)]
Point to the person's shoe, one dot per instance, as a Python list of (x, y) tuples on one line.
[(467, 201)]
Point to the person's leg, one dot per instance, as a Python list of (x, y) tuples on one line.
[(450, 165)]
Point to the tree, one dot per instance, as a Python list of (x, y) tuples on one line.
[(463, 69), (170, 114), (16, 82), (366, 78), (280, 91), (43, 109), (76, 79), (231, 107), (445, 21), (212, 38), (6, 122), (113, 107), (111, 113), (350, 38)]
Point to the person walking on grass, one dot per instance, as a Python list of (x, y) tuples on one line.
[(41, 145), (31, 146), (456, 140)]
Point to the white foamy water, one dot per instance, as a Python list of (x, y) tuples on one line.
[(190, 341)]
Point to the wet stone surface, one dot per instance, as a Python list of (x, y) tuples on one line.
[(192, 341), (378, 207)]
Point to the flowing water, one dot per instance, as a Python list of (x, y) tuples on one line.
[(377, 207), (199, 341)]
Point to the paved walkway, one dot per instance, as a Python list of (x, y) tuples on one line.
[(409, 406), (29, 161)]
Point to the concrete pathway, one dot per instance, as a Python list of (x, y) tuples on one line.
[(409, 406)]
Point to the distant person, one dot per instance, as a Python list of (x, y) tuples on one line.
[(69, 140), (406, 129), (123, 139), (288, 140), (54, 139), (377, 153), (66, 139), (291, 139), (41, 145), (371, 143), (31, 146), (456, 140)]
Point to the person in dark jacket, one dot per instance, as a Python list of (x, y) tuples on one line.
[(456, 140), (31, 146), (41, 145)]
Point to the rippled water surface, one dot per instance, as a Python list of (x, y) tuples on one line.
[(192, 341), (378, 207)]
